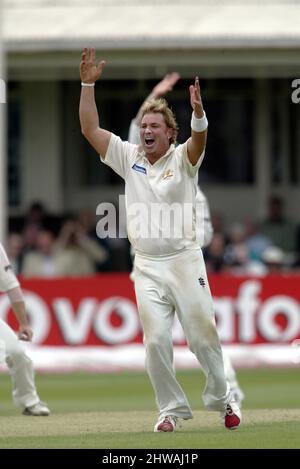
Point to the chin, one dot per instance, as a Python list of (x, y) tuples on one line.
[(149, 151)]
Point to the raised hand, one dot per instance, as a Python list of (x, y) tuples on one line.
[(166, 84), (89, 70), (195, 98)]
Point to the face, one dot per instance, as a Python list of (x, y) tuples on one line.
[(155, 136), (45, 242), (15, 245)]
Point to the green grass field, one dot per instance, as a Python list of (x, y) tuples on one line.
[(118, 411)]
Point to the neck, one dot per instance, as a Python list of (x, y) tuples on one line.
[(154, 157)]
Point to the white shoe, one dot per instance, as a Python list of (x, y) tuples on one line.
[(166, 424), (231, 416), (39, 409)]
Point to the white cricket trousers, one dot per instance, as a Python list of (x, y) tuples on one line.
[(163, 285), (20, 368)]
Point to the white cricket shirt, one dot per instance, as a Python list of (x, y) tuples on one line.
[(160, 198), (8, 279)]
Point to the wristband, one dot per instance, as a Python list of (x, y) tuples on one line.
[(199, 125), (87, 84)]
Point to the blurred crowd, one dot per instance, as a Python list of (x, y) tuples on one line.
[(42, 245), (270, 246)]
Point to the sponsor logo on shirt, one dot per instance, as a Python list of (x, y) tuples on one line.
[(139, 169), (168, 174)]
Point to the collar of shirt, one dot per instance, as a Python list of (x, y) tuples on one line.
[(143, 155)]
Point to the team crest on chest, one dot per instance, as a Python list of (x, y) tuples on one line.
[(168, 174)]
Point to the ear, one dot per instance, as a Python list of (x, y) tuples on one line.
[(170, 133)]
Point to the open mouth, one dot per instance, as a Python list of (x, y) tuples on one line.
[(149, 142)]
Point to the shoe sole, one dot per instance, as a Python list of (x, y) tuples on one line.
[(29, 414), (164, 431), (233, 428)]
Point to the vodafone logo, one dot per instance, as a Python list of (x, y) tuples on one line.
[(38, 314), (75, 325), (255, 316), (246, 318)]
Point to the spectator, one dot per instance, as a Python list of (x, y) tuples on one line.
[(79, 253), (36, 214), (72, 254), (30, 235), (87, 226), (214, 254), (281, 231), (237, 254), (256, 242), (273, 257), (44, 261)]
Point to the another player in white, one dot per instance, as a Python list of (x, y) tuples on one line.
[(170, 271), (19, 364), (163, 87)]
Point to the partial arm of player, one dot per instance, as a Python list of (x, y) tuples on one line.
[(18, 305), (163, 87), (208, 227), (197, 141), (10, 285), (88, 113)]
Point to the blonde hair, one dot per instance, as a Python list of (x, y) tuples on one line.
[(160, 106)]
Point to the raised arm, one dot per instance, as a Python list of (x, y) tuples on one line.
[(88, 114), (159, 90), (162, 88), (197, 141)]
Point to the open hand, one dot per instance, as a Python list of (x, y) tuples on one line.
[(89, 70), (166, 84)]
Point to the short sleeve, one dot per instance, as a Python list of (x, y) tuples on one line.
[(8, 279), (119, 154), (134, 133), (191, 170)]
